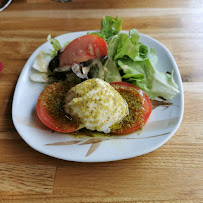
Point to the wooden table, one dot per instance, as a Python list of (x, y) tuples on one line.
[(172, 173)]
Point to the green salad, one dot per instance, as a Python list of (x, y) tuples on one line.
[(127, 60)]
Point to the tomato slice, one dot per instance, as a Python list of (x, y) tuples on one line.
[(49, 108), (139, 106), (83, 49), (50, 104)]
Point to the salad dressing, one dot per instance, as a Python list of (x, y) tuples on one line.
[(102, 69), (135, 107), (91, 50), (44, 76)]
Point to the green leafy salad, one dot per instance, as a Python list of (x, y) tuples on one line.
[(127, 60)]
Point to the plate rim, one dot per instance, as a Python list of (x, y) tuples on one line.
[(6, 5)]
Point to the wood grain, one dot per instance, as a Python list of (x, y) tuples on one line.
[(113, 4), (172, 173), (26, 179), (115, 186)]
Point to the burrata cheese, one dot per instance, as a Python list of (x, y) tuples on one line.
[(95, 105)]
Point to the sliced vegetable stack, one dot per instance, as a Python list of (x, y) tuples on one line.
[(51, 101)]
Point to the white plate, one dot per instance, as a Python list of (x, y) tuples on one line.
[(162, 124), (1, 9)]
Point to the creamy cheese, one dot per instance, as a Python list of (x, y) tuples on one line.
[(41, 62), (39, 71), (96, 105)]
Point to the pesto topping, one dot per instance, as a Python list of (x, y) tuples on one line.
[(53, 99), (135, 105)]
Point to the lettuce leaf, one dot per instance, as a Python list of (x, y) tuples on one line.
[(97, 33), (143, 75), (55, 44), (123, 45), (136, 62), (109, 27), (134, 36), (112, 73), (108, 72), (152, 56)]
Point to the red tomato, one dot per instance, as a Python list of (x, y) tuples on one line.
[(50, 104), (83, 49), (49, 108), (139, 106)]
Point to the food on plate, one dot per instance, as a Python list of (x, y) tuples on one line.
[(139, 107), (83, 49), (110, 55), (39, 68), (94, 104), (80, 71), (42, 61), (50, 108)]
